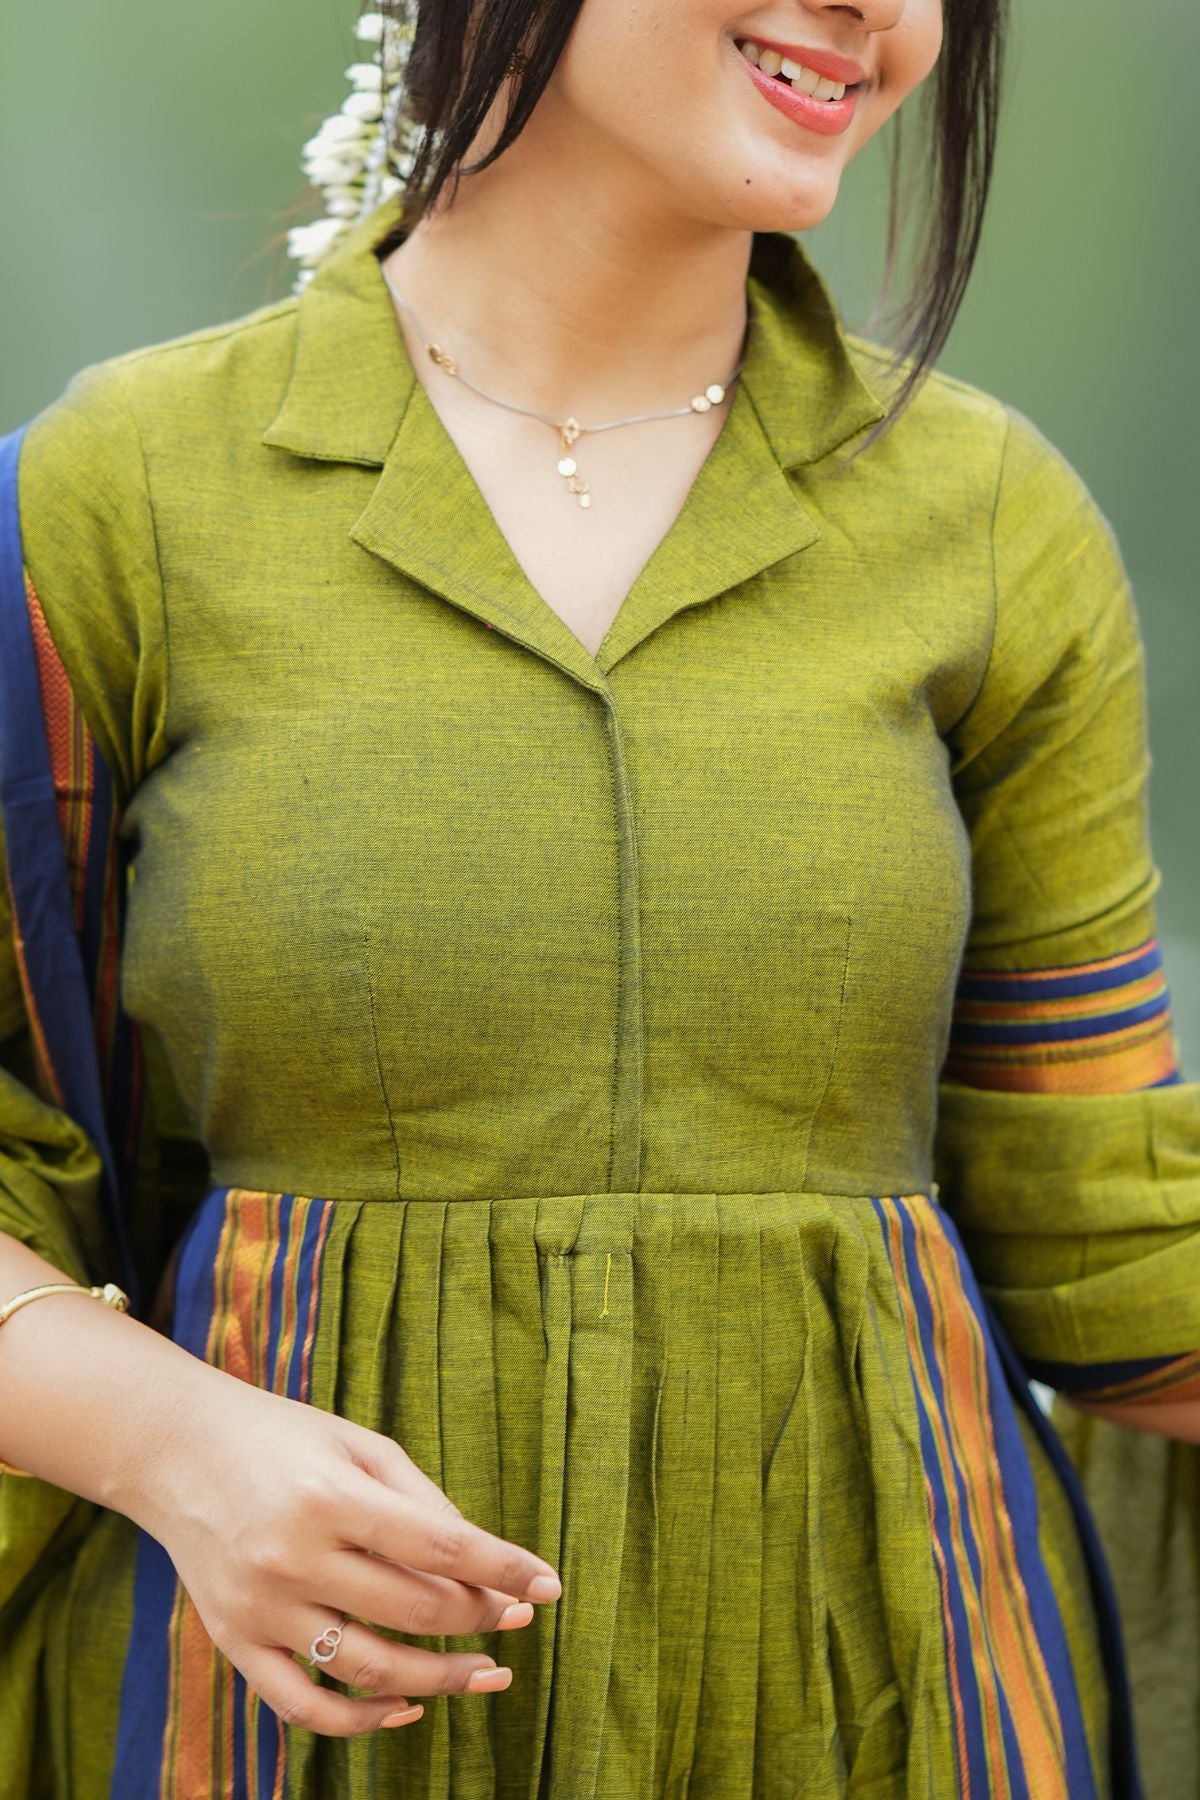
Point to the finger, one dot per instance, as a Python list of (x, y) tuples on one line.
[(297, 1700), (390, 1463), (417, 1603), (365, 1660), (440, 1542)]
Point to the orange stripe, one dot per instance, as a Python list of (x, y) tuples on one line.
[(222, 1722), (1073, 1006), (1073, 1049), (960, 1723), (1165, 1394), (71, 750), (287, 1323), (1125, 1070), (73, 755), (1009, 1623), (260, 1304), (920, 1375), (198, 1747), (1176, 1380), (280, 1769), (195, 1680), (236, 1351), (250, 1707), (1122, 958)]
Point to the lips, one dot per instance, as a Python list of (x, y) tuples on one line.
[(827, 117)]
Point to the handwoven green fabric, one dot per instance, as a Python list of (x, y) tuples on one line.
[(599, 1006), (1144, 1494), (536, 1356)]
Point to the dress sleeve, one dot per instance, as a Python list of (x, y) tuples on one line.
[(91, 556), (96, 616), (1067, 1147)]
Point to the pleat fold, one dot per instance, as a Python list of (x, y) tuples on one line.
[(470, 1449), (555, 1301), (729, 1685), (630, 1719), (687, 1487), (589, 1298), (528, 1423), (765, 1440)]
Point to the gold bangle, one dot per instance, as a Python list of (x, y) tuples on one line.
[(110, 1293)]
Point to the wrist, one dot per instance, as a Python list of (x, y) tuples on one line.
[(173, 1435)]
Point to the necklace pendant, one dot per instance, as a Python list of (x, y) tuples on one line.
[(575, 483), (569, 430)]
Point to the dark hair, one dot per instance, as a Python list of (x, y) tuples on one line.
[(462, 52)]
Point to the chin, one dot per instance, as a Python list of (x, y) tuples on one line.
[(770, 203)]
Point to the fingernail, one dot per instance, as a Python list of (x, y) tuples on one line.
[(489, 1681), (406, 1717), (545, 1587), (519, 1613)]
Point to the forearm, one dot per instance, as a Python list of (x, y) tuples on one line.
[(1178, 1419), (90, 1398)]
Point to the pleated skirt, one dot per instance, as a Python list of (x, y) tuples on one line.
[(813, 1535)]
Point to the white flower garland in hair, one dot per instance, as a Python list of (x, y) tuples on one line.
[(351, 159)]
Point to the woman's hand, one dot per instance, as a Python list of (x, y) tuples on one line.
[(280, 1517)]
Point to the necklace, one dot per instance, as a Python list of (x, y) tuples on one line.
[(569, 429)]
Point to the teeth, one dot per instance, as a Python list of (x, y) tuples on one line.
[(806, 81)]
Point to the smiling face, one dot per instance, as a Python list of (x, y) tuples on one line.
[(718, 129)]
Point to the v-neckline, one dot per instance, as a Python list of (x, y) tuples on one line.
[(424, 400), (352, 396), (738, 516)]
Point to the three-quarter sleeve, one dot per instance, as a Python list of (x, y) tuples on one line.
[(91, 553), (95, 617), (1067, 1146)]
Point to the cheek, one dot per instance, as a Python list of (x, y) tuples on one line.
[(648, 73), (918, 45), (610, 79), (908, 55)]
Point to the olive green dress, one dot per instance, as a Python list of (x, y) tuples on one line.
[(667, 1090)]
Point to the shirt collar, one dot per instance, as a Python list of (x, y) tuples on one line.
[(352, 377)]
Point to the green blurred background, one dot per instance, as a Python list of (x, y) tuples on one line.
[(149, 166)]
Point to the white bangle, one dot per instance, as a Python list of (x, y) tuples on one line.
[(110, 1293)]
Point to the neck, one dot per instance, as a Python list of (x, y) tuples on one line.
[(576, 293)]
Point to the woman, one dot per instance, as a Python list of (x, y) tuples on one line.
[(627, 917)]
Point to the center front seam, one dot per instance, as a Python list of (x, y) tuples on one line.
[(625, 1142)]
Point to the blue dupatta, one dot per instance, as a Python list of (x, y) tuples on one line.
[(67, 871)]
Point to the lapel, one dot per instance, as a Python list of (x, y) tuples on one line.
[(353, 396)]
